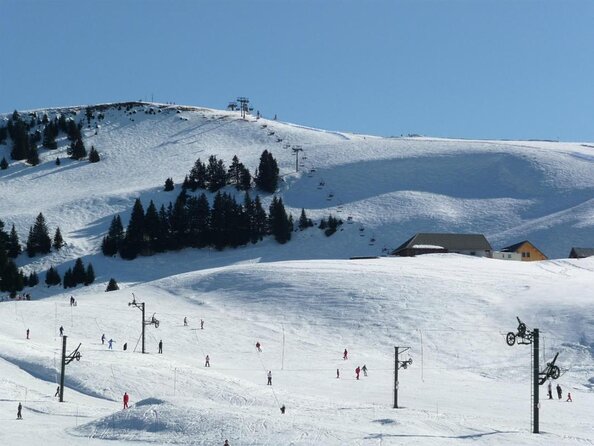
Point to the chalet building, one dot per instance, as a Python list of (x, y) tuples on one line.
[(581, 253), (528, 251), (430, 243), (499, 255)]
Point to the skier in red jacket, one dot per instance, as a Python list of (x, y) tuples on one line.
[(126, 399), (358, 371)]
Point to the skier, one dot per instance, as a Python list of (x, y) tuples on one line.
[(569, 400), (19, 414), (161, 346), (61, 331), (357, 371), (27, 333), (185, 321), (364, 368), (258, 346), (550, 390), (283, 408), (57, 392), (201, 324), (226, 443), (207, 363), (103, 338), (269, 383), (126, 399), (345, 355), (71, 301), (125, 346), (337, 373), (110, 344), (559, 391)]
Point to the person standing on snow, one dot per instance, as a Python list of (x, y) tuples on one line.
[(110, 344), (364, 370), (161, 346), (258, 346), (550, 390), (207, 363), (569, 400), (185, 321), (337, 373), (27, 333), (103, 339), (19, 410), (357, 371), (61, 331), (559, 391), (126, 399), (269, 383), (226, 443), (345, 355), (201, 324)]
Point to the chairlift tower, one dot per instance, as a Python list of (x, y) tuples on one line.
[(397, 365), (152, 321), (244, 106), (296, 150), (67, 359)]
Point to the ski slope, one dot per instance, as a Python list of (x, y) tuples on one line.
[(465, 383), (304, 301)]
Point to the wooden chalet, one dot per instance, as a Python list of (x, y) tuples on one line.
[(430, 243), (527, 250)]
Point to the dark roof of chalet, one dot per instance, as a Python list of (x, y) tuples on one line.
[(583, 252), (451, 242)]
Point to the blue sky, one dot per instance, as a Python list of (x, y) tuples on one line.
[(458, 68)]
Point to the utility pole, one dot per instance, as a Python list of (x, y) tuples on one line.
[(397, 365), (66, 359), (535, 382), (151, 321), (296, 150)]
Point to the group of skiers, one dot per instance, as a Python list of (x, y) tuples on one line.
[(559, 392)]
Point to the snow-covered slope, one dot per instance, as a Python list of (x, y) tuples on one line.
[(453, 311), (303, 300)]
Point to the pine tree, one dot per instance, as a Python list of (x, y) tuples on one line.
[(168, 185), (68, 280), (268, 173), (133, 242), (178, 221), (152, 229), (52, 277), (112, 240), (245, 179), (39, 240), (216, 174), (234, 172), (197, 178), (90, 275), (260, 222), (112, 285), (14, 244), (78, 272), (33, 155), (304, 222), (58, 242), (94, 155), (49, 136), (11, 280), (198, 221), (3, 164), (280, 226), (33, 279), (78, 150), (58, 162)]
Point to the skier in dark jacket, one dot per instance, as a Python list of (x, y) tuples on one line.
[(559, 391), (19, 410), (345, 355), (161, 346)]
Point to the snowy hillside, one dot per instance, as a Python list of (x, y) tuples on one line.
[(303, 301)]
